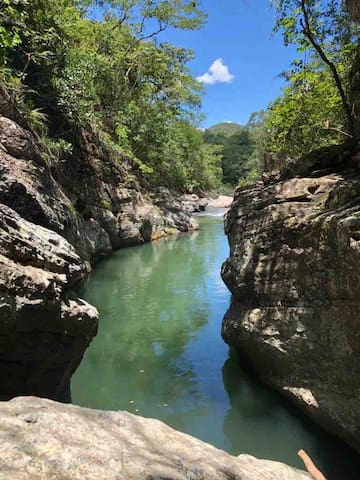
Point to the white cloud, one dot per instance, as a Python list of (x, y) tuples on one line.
[(217, 73)]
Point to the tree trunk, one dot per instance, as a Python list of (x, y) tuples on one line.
[(348, 107), (354, 9)]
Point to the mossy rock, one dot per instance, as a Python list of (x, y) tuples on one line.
[(171, 231)]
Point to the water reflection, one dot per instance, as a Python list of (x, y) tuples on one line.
[(159, 353), (151, 301), (275, 429), (251, 405)]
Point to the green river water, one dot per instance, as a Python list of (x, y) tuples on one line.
[(159, 353)]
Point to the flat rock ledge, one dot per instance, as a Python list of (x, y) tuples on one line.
[(43, 439)]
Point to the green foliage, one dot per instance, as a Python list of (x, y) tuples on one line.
[(327, 30), (14, 91), (328, 20), (239, 154), (36, 118), (11, 22), (55, 149), (224, 129), (307, 116), (113, 75), (249, 179), (181, 159), (315, 109), (182, 14), (57, 145)]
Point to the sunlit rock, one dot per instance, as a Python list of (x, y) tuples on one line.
[(41, 438)]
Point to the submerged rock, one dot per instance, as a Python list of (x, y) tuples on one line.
[(294, 272), (45, 439)]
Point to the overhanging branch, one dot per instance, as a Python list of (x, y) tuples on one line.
[(307, 31)]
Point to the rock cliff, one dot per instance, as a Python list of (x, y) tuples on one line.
[(294, 272), (45, 439), (58, 215), (43, 331)]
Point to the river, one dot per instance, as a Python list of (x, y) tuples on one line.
[(159, 354)]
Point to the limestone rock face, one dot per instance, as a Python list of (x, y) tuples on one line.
[(89, 197), (45, 439), (194, 203), (43, 332), (58, 215), (294, 271), (117, 212), (26, 184)]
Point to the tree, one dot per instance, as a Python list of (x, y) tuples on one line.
[(239, 159), (353, 7), (12, 18), (181, 14), (307, 116), (112, 75), (326, 28)]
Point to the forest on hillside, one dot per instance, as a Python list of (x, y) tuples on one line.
[(102, 66)]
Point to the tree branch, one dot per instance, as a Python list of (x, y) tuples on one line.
[(162, 27), (310, 467), (142, 24), (305, 25), (132, 45), (337, 130), (28, 60), (122, 19)]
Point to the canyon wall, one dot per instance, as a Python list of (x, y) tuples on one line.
[(59, 214), (294, 272)]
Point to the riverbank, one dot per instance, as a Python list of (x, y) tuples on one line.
[(293, 271), (45, 438), (159, 354), (56, 220), (58, 217)]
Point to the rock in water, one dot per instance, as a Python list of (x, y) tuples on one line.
[(294, 272), (45, 439), (221, 202), (58, 215), (43, 331)]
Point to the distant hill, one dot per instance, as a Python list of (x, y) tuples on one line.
[(238, 149), (227, 129)]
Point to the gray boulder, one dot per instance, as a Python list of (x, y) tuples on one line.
[(43, 331), (294, 272), (44, 439)]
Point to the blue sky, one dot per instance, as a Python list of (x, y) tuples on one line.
[(240, 33), (238, 38)]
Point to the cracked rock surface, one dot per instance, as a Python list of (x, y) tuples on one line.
[(44, 439), (294, 272), (43, 332), (57, 217)]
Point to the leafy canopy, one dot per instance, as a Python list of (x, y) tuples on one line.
[(316, 107), (240, 158), (114, 75)]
